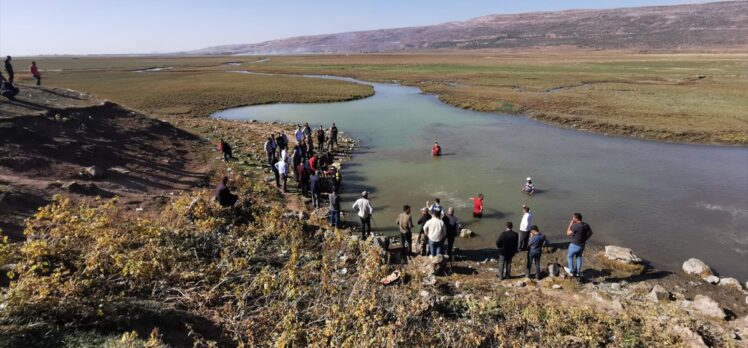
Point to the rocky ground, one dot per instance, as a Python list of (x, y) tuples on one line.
[(62, 141)]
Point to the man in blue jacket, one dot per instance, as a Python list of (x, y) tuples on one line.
[(537, 240)]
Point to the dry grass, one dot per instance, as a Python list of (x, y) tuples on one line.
[(688, 97)]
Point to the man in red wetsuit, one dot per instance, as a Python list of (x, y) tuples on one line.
[(436, 150), (477, 205)]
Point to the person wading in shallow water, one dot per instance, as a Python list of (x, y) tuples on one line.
[(477, 206), (436, 150)]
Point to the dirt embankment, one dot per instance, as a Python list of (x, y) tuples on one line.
[(62, 141)]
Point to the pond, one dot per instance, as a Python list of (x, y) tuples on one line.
[(668, 202)]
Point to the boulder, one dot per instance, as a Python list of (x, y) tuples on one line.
[(92, 172), (690, 339), (466, 233), (658, 294), (427, 265), (621, 254), (707, 306), (712, 279), (730, 283), (697, 267)]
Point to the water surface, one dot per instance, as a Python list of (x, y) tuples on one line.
[(668, 202)]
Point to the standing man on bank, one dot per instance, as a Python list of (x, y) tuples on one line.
[(507, 245), (524, 228), (405, 224), (579, 232), (364, 209)]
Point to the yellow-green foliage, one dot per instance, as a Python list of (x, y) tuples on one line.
[(262, 280)]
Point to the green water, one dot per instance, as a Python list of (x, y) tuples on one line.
[(668, 202)]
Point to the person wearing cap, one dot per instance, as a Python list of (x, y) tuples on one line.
[(529, 187), (524, 228), (364, 209)]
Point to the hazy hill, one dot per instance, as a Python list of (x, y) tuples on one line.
[(709, 25)]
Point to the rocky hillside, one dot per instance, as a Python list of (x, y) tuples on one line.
[(710, 25)]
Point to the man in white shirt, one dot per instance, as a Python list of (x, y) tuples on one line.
[(282, 167), (364, 209), (524, 228), (436, 231)]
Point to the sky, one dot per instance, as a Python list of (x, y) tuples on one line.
[(31, 27)]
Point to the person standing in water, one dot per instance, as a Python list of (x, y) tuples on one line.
[(436, 150), (529, 187), (35, 73), (477, 206)]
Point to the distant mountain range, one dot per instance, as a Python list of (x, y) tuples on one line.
[(708, 25)]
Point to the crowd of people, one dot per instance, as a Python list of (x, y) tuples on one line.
[(316, 172)]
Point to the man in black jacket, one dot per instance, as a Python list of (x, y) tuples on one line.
[(223, 195), (9, 70), (453, 229), (422, 239), (507, 245)]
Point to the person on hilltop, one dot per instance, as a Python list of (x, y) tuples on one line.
[(35, 73), (405, 223), (280, 143), (422, 239), (226, 150), (334, 209), (536, 243), (436, 232), (321, 139), (223, 195), (333, 137), (453, 229), (282, 167), (315, 186), (9, 70), (579, 232), (437, 206), (524, 227), (477, 206), (365, 210), (436, 150), (529, 187), (307, 130), (507, 245)]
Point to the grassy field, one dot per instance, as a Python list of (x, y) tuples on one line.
[(685, 97), (190, 87)]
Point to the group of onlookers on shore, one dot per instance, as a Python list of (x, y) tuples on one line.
[(314, 168)]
